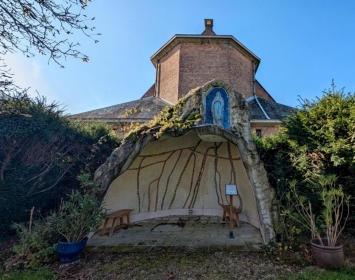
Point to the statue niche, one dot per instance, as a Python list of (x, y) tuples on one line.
[(217, 108)]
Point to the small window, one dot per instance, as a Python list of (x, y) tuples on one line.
[(258, 133)]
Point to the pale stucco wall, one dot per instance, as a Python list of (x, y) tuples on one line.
[(156, 198)]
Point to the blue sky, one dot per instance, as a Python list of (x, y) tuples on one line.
[(303, 45)]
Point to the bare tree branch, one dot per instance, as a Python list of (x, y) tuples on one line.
[(45, 27)]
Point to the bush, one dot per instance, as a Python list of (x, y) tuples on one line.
[(81, 214), (334, 214), (41, 154), (317, 141), (37, 242), (36, 246)]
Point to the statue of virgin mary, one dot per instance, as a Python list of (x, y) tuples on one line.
[(218, 109)]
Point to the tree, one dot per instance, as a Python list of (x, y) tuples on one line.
[(41, 151), (43, 27), (41, 154)]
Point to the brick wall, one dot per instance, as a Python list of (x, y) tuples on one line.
[(261, 92), (149, 92), (168, 75), (266, 130), (202, 62), (190, 64)]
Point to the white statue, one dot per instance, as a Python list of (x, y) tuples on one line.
[(218, 109)]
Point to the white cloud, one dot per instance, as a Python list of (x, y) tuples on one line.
[(28, 74)]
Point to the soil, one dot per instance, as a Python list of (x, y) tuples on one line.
[(172, 263), (127, 262)]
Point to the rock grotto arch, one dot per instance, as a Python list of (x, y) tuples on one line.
[(182, 159)]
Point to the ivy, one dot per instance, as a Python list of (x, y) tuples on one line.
[(169, 120)]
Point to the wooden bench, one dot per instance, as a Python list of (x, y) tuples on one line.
[(235, 211), (115, 216)]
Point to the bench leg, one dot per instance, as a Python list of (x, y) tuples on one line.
[(112, 226), (103, 230), (128, 220), (237, 220)]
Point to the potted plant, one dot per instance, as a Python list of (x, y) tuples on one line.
[(81, 214), (326, 229)]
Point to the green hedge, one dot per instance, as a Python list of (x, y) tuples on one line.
[(317, 140), (41, 154)]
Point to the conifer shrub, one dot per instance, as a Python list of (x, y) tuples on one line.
[(316, 141)]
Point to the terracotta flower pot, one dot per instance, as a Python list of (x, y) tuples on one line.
[(329, 257)]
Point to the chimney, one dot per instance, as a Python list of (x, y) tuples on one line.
[(208, 27)]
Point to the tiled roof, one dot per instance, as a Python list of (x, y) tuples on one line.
[(146, 108), (138, 110), (273, 110)]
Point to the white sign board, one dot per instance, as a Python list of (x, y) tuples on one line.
[(231, 190)]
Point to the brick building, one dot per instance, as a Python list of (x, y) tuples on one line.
[(189, 61)]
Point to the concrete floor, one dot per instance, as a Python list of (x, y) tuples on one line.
[(195, 231)]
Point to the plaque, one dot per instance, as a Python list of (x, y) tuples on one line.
[(231, 190)]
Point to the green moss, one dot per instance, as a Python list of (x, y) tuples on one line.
[(132, 136), (168, 120), (193, 116)]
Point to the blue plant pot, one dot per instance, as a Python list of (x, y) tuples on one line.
[(70, 251)]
